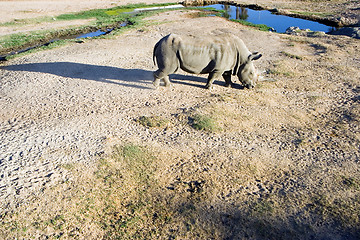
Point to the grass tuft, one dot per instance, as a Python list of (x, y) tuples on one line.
[(153, 121), (203, 122), (261, 27), (290, 55)]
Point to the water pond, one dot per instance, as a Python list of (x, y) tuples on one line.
[(277, 22)]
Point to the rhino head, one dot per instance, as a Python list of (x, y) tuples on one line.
[(247, 73)]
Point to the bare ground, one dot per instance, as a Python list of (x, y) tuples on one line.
[(288, 150), (19, 9)]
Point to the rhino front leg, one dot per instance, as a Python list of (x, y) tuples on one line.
[(227, 78), (211, 78)]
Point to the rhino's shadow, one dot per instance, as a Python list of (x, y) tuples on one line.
[(188, 80), (200, 82), (106, 74)]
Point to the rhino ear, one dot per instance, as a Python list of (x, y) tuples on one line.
[(254, 56)]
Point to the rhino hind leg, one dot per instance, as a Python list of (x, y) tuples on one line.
[(157, 79), (158, 75), (167, 81), (163, 74), (156, 82), (211, 78)]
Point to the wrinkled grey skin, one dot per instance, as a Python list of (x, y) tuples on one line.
[(222, 55)]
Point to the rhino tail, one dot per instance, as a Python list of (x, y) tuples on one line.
[(179, 57), (155, 47)]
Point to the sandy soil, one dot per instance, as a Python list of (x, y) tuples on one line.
[(71, 104), (43, 26), (19, 9), (346, 12)]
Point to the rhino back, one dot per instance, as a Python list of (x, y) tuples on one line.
[(200, 54), (206, 54)]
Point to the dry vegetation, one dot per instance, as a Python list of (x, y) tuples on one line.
[(269, 170), (280, 161)]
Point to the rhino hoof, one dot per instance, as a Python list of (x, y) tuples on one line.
[(208, 86), (156, 83)]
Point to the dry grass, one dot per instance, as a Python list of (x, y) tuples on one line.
[(125, 197)]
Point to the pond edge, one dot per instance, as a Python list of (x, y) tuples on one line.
[(330, 21)]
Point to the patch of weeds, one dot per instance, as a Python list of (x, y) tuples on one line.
[(44, 47), (203, 122), (137, 161), (298, 142), (68, 166), (351, 182), (20, 39), (290, 55), (210, 11), (277, 72), (345, 213), (127, 186), (57, 222), (296, 39), (153, 121), (281, 68), (36, 40), (313, 98), (320, 14), (107, 13), (261, 27), (200, 14), (319, 48), (291, 44), (263, 207), (19, 22)]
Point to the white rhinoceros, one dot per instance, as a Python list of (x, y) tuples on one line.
[(220, 55)]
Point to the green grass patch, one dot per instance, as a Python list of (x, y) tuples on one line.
[(45, 47), (290, 55), (107, 13), (277, 72), (319, 14), (261, 27), (20, 22), (152, 121), (203, 122)]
